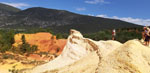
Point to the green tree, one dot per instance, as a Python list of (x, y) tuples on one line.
[(23, 39), (6, 40), (25, 47)]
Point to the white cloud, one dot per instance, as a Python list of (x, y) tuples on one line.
[(18, 5), (102, 15), (81, 9), (139, 21), (90, 14), (96, 2)]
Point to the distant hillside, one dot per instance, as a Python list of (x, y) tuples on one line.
[(60, 20), (5, 12), (7, 9)]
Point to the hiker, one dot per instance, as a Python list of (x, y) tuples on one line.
[(113, 34), (146, 35)]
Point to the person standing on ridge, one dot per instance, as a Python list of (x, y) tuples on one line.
[(146, 35), (113, 34)]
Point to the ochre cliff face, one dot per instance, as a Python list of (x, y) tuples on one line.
[(46, 42)]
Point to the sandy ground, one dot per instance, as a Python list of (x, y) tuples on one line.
[(131, 57), (4, 68)]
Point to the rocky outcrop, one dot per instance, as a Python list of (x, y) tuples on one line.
[(83, 55), (76, 49), (132, 57)]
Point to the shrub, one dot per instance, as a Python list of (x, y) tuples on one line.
[(14, 70), (7, 56)]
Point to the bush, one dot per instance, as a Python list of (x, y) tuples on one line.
[(34, 48), (58, 49), (14, 70), (7, 56)]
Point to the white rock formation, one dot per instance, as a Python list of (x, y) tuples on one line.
[(83, 55), (77, 47)]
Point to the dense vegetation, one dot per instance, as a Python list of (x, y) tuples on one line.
[(7, 38), (122, 35)]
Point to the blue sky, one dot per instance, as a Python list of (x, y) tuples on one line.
[(135, 11)]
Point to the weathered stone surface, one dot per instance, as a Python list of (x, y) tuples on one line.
[(83, 55)]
